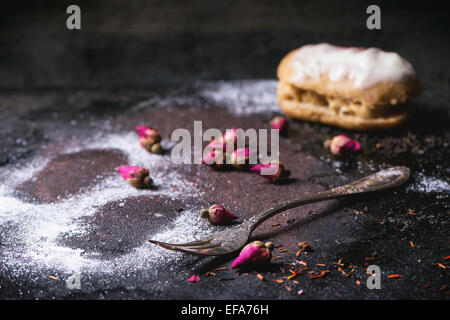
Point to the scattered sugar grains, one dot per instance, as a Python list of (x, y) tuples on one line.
[(244, 96), (240, 97), (34, 244), (429, 184)]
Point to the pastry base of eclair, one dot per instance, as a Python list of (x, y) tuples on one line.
[(352, 115)]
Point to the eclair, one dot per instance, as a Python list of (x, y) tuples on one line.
[(347, 87)]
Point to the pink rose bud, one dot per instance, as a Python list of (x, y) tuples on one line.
[(240, 158), (136, 176), (230, 136), (279, 123), (342, 145), (216, 144), (253, 254), (148, 137), (194, 278), (279, 172), (214, 158), (217, 214), (156, 148)]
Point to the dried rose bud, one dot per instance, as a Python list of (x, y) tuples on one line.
[(342, 145), (194, 278), (279, 123), (216, 144), (277, 167), (156, 148), (148, 137), (230, 136), (240, 158), (254, 253), (215, 158), (217, 214), (304, 246), (136, 176)]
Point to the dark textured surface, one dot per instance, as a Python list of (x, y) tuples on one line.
[(66, 174), (140, 43), (375, 226), (57, 85)]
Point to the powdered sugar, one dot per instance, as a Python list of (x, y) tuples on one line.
[(240, 97), (427, 184), (35, 243), (245, 96)]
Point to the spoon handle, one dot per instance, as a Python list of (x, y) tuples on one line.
[(384, 179)]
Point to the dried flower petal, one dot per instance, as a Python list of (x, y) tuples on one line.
[(194, 278), (279, 172), (304, 246), (279, 123), (319, 275), (136, 176), (148, 137), (278, 280), (342, 145), (221, 269), (253, 253), (292, 276), (217, 214)]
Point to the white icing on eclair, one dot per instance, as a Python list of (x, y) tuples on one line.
[(365, 67)]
